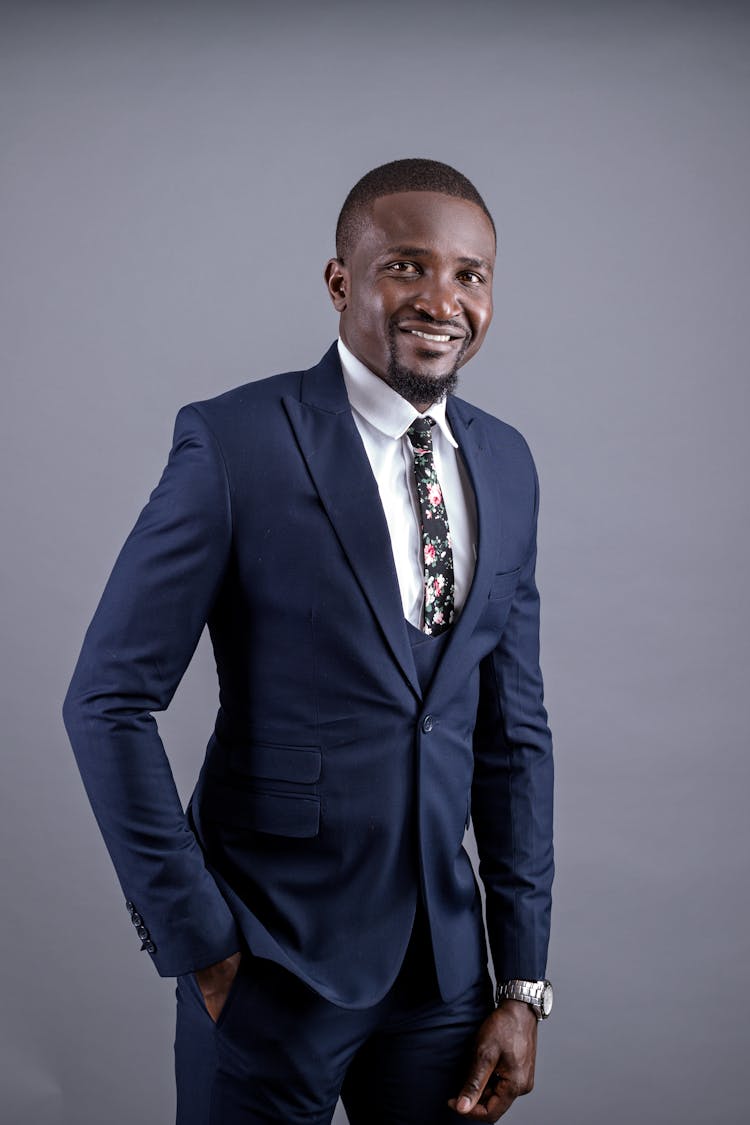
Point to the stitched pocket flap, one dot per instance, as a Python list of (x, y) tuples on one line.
[(280, 814), (277, 763)]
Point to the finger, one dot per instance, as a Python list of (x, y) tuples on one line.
[(473, 1088), (491, 1107), (498, 1103)]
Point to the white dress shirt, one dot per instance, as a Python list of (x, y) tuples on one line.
[(382, 417)]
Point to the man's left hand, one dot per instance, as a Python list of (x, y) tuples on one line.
[(215, 983), (503, 1064)]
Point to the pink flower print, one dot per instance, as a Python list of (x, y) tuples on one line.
[(438, 583), (430, 554), (434, 494), (438, 618)]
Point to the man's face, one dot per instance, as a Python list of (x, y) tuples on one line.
[(415, 294)]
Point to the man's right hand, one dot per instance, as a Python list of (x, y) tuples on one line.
[(215, 983)]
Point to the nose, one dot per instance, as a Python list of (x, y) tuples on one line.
[(437, 298)]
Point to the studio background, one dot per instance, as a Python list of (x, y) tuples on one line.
[(171, 176)]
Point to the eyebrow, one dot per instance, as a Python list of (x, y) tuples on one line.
[(478, 263), (421, 252)]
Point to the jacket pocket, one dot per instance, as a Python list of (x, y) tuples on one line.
[(504, 585), (261, 809), (269, 761)]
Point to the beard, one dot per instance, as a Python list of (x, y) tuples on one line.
[(414, 387)]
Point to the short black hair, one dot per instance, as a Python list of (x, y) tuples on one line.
[(410, 174)]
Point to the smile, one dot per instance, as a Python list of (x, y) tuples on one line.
[(431, 336)]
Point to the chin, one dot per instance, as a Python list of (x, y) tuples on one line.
[(426, 365), (419, 386), (432, 371)]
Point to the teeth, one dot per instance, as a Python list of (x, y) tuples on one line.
[(430, 336)]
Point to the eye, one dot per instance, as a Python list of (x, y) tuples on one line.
[(472, 277), (403, 267)]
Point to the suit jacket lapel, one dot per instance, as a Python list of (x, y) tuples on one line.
[(467, 429), (332, 448)]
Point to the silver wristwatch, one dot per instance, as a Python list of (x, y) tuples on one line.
[(537, 993)]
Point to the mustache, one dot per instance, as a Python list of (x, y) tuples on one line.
[(426, 319)]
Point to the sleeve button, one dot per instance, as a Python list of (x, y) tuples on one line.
[(427, 724)]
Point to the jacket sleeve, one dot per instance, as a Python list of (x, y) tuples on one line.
[(135, 652), (512, 789)]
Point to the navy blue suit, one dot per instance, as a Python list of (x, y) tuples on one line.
[(334, 793)]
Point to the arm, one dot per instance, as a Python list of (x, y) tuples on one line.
[(512, 793), (135, 652), (512, 816)]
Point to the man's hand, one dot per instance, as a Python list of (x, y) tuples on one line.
[(215, 983), (503, 1064)]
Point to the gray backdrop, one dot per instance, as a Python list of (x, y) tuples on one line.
[(171, 175)]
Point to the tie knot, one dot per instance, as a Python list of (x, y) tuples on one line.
[(420, 432)]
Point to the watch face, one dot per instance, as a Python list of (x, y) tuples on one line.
[(546, 1001)]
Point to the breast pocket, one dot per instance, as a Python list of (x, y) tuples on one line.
[(504, 585), (499, 601)]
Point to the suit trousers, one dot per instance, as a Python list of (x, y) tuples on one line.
[(280, 1053)]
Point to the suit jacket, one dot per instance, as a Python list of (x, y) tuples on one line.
[(333, 793)]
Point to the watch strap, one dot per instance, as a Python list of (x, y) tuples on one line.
[(536, 993)]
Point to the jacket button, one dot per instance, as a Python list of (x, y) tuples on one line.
[(129, 907), (142, 933), (427, 723), (149, 947), (136, 919)]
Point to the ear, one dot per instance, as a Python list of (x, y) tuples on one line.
[(336, 277)]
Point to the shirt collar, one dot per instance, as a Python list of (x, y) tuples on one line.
[(379, 404)]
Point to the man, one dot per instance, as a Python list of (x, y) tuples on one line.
[(362, 545)]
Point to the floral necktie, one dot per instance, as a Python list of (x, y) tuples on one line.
[(436, 537)]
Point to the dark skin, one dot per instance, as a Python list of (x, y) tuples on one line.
[(424, 264), (215, 983), (503, 1065)]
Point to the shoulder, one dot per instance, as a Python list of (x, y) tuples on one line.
[(247, 402)]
